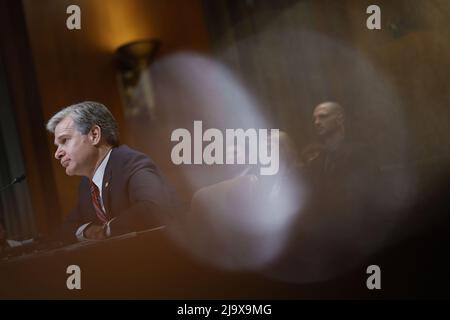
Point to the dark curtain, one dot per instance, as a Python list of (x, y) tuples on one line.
[(15, 205)]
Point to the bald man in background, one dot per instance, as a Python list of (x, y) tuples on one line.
[(339, 175), (329, 120), (333, 154), (340, 223)]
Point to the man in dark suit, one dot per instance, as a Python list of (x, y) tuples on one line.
[(121, 191), (337, 226), (335, 159)]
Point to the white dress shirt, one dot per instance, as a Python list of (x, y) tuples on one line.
[(98, 181)]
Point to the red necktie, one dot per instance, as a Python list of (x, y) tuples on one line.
[(95, 195)]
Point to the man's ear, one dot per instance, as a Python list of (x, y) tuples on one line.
[(95, 135)]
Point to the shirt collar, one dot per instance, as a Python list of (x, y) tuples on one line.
[(99, 173)]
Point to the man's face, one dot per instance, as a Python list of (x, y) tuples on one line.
[(327, 120), (75, 151)]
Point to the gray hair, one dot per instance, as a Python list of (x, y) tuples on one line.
[(85, 115)]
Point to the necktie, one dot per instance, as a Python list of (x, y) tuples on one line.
[(95, 195)]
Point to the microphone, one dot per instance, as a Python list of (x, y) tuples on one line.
[(4, 245), (16, 180)]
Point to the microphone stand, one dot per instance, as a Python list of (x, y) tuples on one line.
[(16, 180), (3, 241)]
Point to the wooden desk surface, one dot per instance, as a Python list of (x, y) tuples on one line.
[(144, 265), (148, 265)]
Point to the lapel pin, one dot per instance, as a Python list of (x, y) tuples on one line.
[(106, 184)]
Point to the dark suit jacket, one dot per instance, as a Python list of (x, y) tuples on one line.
[(134, 193)]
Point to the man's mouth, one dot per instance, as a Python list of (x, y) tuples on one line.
[(65, 163)]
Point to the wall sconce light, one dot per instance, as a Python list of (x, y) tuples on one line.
[(133, 60)]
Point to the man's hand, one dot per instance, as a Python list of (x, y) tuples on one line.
[(94, 232)]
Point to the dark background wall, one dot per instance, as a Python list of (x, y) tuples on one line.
[(16, 215), (392, 82)]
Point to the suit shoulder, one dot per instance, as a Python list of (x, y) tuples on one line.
[(128, 157)]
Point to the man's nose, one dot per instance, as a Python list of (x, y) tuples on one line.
[(58, 153), (316, 122)]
